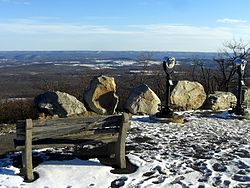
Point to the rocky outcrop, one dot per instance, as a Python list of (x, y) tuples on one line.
[(59, 104), (221, 100), (142, 100), (246, 98), (101, 95), (187, 95)]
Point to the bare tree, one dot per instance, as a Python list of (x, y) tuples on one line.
[(144, 59), (206, 76), (225, 62)]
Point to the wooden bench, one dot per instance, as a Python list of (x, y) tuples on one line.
[(62, 132)]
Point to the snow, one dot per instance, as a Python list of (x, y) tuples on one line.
[(206, 151), (85, 173), (105, 63)]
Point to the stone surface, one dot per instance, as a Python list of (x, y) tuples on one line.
[(219, 167), (247, 114), (101, 95), (246, 100), (142, 100), (59, 104), (187, 95), (221, 100)]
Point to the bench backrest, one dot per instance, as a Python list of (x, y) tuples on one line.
[(66, 131)]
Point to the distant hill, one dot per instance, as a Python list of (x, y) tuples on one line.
[(81, 55)]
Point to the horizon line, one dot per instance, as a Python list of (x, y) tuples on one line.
[(162, 51)]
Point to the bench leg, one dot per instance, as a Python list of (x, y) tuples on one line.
[(27, 153), (120, 145), (120, 154)]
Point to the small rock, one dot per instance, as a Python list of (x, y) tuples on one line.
[(226, 183), (203, 178), (219, 167), (177, 180), (217, 181), (147, 174), (243, 153), (242, 165), (159, 169), (201, 186), (121, 181), (241, 178), (159, 180), (242, 172), (241, 185)]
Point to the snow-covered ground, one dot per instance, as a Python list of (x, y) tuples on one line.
[(206, 151)]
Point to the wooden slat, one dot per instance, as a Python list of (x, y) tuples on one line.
[(96, 121), (28, 151), (57, 128), (120, 144), (104, 138)]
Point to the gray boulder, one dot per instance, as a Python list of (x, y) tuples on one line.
[(59, 104), (246, 98), (101, 95), (142, 100), (247, 114), (221, 100), (187, 95)]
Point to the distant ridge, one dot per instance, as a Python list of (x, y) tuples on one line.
[(78, 55)]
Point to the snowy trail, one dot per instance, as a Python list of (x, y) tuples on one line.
[(204, 152)]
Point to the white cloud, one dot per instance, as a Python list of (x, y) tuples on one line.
[(127, 37), (184, 31), (103, 18), (44, 18), (22, 2), (231, 21), (29, 27)]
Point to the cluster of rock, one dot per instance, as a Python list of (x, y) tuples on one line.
[(101, 98)]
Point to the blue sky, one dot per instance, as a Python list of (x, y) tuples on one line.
[(154, 25)]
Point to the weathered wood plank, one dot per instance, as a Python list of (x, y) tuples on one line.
[(28, 151), (120, 144), (101, 121), (84, 135), (72, 139), (105, 135), (66, 123), (61, 133), (69, 126)]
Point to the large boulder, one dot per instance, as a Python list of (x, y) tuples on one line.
[(246, 98), (59, 104), (142, 100), (187, 95), (221, 100), (101, 95)]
